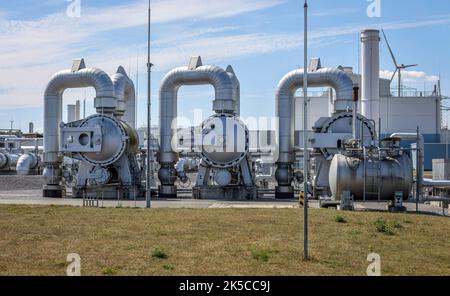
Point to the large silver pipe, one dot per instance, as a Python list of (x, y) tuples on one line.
[(8, 160), (285, 111), (370, 74), (168, 96), (236, 89), (436, 183), (26, 163), (105, 102), (126, 97)]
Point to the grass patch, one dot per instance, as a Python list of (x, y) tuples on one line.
[(159, 253), (169, 267), (340, 219), (397, 225), (382, 227), (262, 255), (35, 240), (109, 271)]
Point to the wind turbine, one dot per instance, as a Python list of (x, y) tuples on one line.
[(398, 68)]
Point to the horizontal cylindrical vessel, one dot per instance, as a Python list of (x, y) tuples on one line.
[(118, 138), (386, 176)]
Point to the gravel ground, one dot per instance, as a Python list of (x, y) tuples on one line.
[(14, 182)]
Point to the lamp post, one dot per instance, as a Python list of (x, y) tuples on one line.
[(305, 134)]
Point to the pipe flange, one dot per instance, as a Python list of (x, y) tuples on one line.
[(328, 124), (224, 158), (114, 137)]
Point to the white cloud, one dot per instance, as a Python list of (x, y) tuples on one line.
[(410, 76), (33, 50)]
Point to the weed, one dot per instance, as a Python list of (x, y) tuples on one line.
[(262, 255), (340, 219), (383, 227), (169, 267), (159, 253), (397, 225), (109, 271)]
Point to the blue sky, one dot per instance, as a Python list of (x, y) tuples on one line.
[(261, 39)]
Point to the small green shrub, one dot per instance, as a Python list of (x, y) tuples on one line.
[(169, 267), (340, 219), (159, 253), (109, 271), (262, 255), (383, 227), (397, 225)]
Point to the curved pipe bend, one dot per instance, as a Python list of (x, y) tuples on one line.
[(105, 102), (126, 97), (285, 108), (26, 163), (168, 97)]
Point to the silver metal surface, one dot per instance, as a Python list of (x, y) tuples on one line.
[(77, 77), (225, 141), (285, 111), (194, 74), (126, 97), (117, 138), (370, 74), (8, 160), (168, 97), (26, 163), (392, 174)]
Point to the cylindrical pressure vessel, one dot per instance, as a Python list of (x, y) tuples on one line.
[(386, 176)]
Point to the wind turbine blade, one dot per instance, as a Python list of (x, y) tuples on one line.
[(394, 74), (390, 49), (410, 66)]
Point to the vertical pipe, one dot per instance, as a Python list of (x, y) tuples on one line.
[(418, 170), (305, 134), (149, 176), (355, 111), (370, 74)]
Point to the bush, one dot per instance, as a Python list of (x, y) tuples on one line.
[(383, 227), (340, 219), (159, 253)]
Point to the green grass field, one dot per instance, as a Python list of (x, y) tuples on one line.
[(37, 240)]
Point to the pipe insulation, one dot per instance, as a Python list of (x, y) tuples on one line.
[(370, 74), (77, 77), (236, 89), (126, 97), (285, 102), (285, 113), (8, 160), (168, 97), (26, 162)]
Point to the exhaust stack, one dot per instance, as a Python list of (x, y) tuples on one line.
[(370, 74)]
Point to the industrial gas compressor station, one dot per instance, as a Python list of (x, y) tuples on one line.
[(349, 158)]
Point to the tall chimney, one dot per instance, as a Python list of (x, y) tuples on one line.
[(77, 110), (370, 74)]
